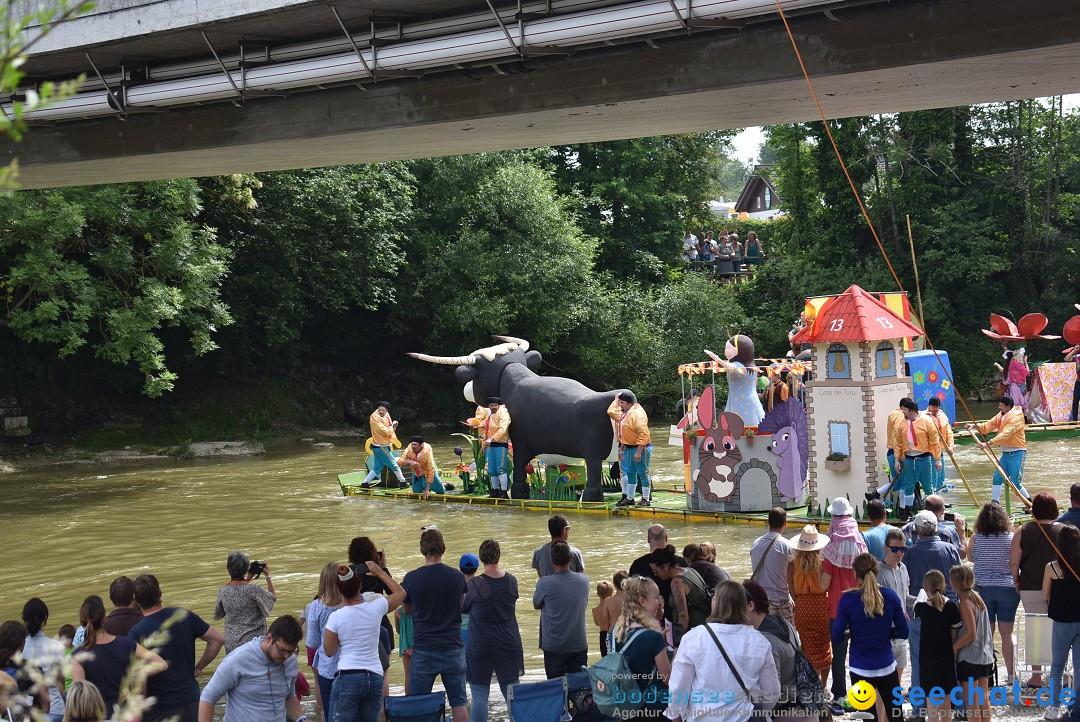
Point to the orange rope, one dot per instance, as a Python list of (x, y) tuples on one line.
[(866, 216)]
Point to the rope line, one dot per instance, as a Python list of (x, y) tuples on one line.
[(870, 223)]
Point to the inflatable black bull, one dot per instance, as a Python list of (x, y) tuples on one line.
[(548, 414)]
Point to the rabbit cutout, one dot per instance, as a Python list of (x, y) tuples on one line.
[(718, 454)]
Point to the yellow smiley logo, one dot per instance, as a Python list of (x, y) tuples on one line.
[(862, 696)]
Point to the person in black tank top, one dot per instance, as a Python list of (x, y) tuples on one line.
[(1061, 587)]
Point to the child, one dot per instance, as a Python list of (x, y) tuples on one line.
[(405, 641), (940, 621), (603, 590), (468, 564), (613, 604), (66, 635), (974, 647)]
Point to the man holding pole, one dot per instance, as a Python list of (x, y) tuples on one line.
[(945, 435), (920, 453), (894, 431), (1009, 425)]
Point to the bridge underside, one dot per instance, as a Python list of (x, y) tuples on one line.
[(878, 58)]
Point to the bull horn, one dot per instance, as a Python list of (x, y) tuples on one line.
[(521, 343), (445, 360)]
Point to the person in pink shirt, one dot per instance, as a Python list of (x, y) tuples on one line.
[(845, 543)]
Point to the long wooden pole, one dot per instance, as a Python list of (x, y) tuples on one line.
[(922, 319), (997, 465), (958, 469), (915, 267)]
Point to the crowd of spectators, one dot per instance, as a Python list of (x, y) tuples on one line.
[(724, 257), (854, 606)]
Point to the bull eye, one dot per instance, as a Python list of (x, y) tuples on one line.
[(708, 445)]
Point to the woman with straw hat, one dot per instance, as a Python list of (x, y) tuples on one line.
[(808, 586)]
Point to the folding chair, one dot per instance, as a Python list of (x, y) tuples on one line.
[(1037, 649), (538, 701), (429, 707)]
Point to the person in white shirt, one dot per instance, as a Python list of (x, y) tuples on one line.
[(705, 684), (354, 630)]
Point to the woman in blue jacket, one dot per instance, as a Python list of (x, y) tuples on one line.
[(875, 615)]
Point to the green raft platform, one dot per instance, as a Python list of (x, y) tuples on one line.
[(668, 503)]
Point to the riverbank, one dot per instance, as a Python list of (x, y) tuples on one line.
[(21, 456)]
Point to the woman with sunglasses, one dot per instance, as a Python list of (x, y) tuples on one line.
[(894, 575), (989, 549)]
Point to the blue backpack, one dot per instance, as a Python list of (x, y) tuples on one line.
[(615, 690)]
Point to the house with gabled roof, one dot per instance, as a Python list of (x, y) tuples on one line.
[(759, 198), (857, 342)]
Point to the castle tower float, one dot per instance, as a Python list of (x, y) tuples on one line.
[(858, 359)]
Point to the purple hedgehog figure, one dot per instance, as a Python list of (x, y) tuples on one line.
[(787, 424)]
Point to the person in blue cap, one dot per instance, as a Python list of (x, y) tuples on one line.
[(468, 564)]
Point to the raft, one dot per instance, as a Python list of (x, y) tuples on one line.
[(669, 504)]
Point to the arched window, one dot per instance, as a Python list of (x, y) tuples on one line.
[(839, 362), (885, 360)]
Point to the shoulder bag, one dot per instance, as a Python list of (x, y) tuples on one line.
[(757, 712)]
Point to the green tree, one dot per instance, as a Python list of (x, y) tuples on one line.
[(112, 267), (18, 36), (307, 244), (497, 251), (638, 196)]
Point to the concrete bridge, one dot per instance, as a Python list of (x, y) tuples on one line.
[(188, 88)]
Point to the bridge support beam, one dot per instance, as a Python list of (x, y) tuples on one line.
[(875, 58)]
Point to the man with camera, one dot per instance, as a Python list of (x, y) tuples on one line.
[(258, 679), (951, 528), (171, 632)]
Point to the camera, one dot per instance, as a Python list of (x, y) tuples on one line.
[(256, 568), (949, 516)]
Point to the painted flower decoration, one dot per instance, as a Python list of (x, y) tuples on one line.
[(932, 377), (562, 467), (529, 468), (945, 384), (941, 395), (920, 377), (457, 450)]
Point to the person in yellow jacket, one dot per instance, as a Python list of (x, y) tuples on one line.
[(1008, 425), (919, 454), (635, 444), (383, 433), (894, 428), (495, 431), (425, 478), (941, 421)]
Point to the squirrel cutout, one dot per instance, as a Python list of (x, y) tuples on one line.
[(718, 453)]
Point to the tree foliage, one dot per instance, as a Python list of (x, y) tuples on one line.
[(308, 243), (638, 196), (502, 252), (111, 267)]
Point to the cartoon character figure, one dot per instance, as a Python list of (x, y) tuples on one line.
[(742, 375), (718, 454), (787, 424)]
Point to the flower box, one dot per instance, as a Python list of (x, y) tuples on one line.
[(839, 464)]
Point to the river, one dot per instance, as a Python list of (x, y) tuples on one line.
[(69, 531)]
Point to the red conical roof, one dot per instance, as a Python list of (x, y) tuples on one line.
[(855, 315)]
